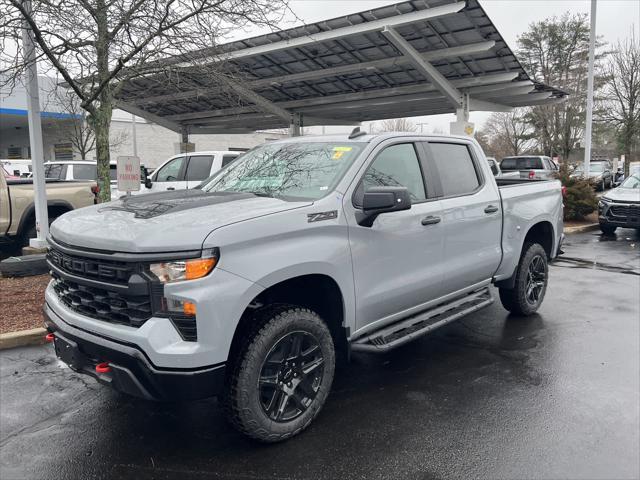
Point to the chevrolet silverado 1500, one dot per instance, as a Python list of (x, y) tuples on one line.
[(304, 250)]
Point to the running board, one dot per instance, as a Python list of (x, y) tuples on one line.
[(424, 322)]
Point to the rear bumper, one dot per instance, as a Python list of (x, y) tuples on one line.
[(131, 371)]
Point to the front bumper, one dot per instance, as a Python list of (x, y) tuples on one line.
[(131, 371), (619, 214)]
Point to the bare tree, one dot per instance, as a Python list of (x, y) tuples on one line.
[(508, 133), (100, 46), (555, 52), (396, 125), (622, 96)]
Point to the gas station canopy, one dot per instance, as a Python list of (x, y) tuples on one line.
[(421, 57)]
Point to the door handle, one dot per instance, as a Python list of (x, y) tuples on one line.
[(491, 209), (171, 188), (430, 220)]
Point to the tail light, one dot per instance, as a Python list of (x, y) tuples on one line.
[(532, 175), (95, 189)]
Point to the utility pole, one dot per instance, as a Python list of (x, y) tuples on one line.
[(422, 124), (35, 135), (133, 133), (588, 126)]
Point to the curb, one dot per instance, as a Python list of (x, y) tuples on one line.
[(25, 266), (22, 338), (582, 228)]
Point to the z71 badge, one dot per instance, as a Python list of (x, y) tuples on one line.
[(318, 217)]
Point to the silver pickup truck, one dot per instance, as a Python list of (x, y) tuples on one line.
[(253, 285)]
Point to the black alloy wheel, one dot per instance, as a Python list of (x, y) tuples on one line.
[(291, 376)]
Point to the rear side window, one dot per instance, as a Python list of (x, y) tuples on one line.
[(57, 171), (457, 171), (199, 167), (84, 172), (397, 166), (227, 159)]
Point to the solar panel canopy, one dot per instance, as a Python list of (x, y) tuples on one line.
[(420, 57)]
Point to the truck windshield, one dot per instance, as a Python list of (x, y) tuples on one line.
[(307, 171)]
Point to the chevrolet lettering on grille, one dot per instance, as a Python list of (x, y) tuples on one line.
[(88, 268)]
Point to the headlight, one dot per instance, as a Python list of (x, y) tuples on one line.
[(191, 269)]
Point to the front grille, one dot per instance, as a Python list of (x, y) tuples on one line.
[(103, 304), (101, 270), (625, 211)]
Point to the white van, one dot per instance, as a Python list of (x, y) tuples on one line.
[(87, 170), (188, 170), (17, 168)]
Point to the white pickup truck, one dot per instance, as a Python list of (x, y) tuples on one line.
[(298, 253)]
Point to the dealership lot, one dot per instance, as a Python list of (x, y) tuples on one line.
[(554, 395)]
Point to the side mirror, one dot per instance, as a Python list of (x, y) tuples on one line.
[(148, 182), (379, 200)]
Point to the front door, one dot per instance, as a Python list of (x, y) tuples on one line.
[(170, 176), (397, 261)]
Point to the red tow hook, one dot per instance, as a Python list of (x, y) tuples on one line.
[(49, 337), (103, 367)]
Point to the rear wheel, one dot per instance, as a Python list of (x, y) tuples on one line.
[(530, 283), (283, 374), (608, 229)]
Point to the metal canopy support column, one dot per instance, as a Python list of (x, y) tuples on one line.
[(296, 125), (35, 137)]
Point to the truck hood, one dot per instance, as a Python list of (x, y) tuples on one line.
[(623, 195), (161, 222)]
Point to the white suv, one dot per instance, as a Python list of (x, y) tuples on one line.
[(188, 170)]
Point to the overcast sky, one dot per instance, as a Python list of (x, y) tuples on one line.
[(615, 20)]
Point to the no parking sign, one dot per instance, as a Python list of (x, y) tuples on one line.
[(128, 173)]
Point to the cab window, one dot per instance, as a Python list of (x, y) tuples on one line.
[(397, 166), (171, 172)]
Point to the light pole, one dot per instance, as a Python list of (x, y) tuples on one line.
[(588, 126), (35, 135)]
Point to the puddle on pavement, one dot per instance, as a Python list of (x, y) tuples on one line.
[(587, 264)]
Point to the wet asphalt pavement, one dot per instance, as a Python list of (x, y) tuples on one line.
[(555, 395)]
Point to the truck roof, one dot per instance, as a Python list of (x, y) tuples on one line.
[(366, 137)]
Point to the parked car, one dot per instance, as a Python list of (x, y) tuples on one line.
[(530, 166), (17, 168), (87, 170), (300, 252), (621, 206), (189, 170), (17, 210), (497, 172), (599, 173)]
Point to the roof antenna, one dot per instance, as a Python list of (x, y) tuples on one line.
[(356, 133)]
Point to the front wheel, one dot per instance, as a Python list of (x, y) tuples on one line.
[(283, 374), (530, 284), (608, 229)]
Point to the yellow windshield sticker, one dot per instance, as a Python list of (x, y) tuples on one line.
[(338, 152)]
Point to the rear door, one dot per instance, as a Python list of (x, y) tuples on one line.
[(171, 176), (471, 215), (198, 169), (397, 262)]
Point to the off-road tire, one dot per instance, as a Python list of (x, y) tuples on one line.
[(515, 299), (242, 399), (608, 229)]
